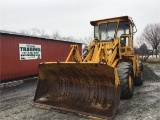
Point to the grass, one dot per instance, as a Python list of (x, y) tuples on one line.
[(153, 60), (152, 64)]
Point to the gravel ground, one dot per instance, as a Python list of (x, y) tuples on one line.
[(16, 103)]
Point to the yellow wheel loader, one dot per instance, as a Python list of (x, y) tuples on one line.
[(93, 84)]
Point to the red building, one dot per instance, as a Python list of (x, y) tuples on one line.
[(21, 54)]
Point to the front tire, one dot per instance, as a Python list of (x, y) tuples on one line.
[(125, 74)]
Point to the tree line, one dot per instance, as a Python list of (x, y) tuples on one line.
[(149, 41), (56, 36)]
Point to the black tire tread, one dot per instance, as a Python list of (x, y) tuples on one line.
[(124, 69)]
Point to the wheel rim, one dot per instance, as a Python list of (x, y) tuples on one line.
[(130, 82)]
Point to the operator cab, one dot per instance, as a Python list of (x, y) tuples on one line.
[(108, 29)]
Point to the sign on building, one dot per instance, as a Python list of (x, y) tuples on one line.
[(29, 51)]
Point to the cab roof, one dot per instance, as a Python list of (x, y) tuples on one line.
[(121, 18)]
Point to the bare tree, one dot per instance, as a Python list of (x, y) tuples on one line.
[(56, 35), (35, 32), (69, 38), (25, 32), (143, 51), (44, 34), (151, 35), (86, 40)]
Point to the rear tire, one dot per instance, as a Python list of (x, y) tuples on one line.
[(138, 79), (125, 74)]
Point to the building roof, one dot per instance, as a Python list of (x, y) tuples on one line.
[(34, 36)]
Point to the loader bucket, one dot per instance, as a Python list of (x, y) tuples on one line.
[(82, 88)]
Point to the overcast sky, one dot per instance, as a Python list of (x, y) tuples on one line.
[(72, 17)]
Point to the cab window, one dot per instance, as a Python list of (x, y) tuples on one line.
[(107, 30), (123, 28)]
